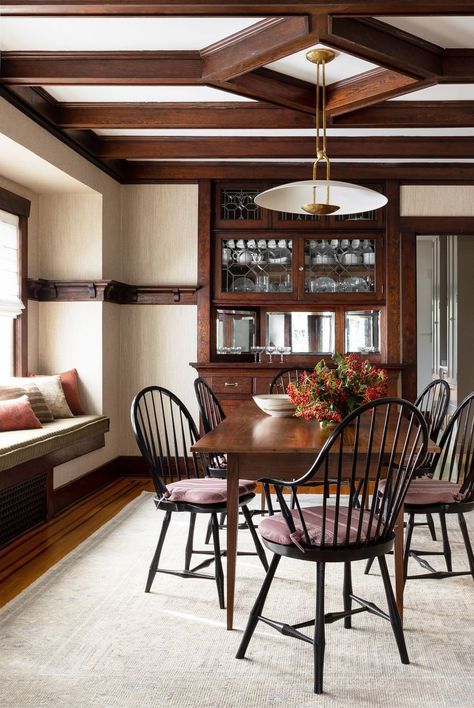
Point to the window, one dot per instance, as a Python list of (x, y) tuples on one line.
[(10, 289)]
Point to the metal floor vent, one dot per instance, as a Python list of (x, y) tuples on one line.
[(22, 506)]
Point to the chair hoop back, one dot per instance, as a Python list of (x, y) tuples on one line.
[(384, 439), (285, 377), (433, 403), (164, 431), (209, 405), (455, 462)]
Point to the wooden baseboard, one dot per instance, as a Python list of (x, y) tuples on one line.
[(132, 466), (83, 486)]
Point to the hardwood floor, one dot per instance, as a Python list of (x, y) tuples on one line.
[(25, 559)]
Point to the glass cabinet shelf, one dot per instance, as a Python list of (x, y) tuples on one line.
[(340, 265), (256, 265)]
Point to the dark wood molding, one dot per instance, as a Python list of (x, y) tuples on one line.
[(273, 87), (110, 291), (393, 273), (13, 203), (226, 147), (20, 353), (259, 44), (131, 466), (368, 89), (388, 46), (458, 66), (78, 489), (139, 172), (227, 114), (223, 8), (437, 224), (409, 114), (98, 68), (204, 271)]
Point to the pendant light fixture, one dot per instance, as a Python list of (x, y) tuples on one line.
[(324, 196)]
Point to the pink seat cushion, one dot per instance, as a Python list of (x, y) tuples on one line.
[(275, 529), (207, 490), (425, 491)]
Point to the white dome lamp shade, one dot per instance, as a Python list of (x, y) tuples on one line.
[(324, 196)]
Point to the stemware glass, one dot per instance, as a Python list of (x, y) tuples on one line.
[(281, 351), (270, 350)]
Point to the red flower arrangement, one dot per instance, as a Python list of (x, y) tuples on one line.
[(329, 394)]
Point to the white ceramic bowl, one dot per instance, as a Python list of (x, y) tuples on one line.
[(275, 404)]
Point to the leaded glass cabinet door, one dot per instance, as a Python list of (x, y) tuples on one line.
[(254, 267), (235, 207)]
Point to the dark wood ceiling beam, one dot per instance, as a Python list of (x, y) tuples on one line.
[(458, 66), (367, 89), (385, 45), (248, 8), (271, 148), (409, 114), (143, 172), (99, 68), (229, 114), (272, 87), (255, 46)]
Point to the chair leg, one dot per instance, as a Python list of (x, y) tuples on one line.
[(408, 535), (467, 542), (254, 534), (431, 526), (446, 546), (319, 644), (218, 561), (222, 519), (293, 499), (347, 592), (207, 540), (189, 543), (258, 607), (393, 612), (157, 554), (368, 566)]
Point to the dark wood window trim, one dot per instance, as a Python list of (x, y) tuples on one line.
[(14, 204)]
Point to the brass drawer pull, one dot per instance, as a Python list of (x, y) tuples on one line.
[(231, 384)]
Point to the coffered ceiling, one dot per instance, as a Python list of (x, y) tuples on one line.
[(173, 90)]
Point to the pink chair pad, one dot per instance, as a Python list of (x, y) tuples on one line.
[(425, 491), (206, 490), (275, 529)]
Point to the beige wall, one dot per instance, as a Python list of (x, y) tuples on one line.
[(159, 234), (437, 200), (157, 344), (70, 236)]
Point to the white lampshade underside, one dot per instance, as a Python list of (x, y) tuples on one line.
[(350, 198)]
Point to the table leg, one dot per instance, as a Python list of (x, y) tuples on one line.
[(398, 563), (232, 519)]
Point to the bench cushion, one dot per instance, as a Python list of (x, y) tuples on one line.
[(19, 446)]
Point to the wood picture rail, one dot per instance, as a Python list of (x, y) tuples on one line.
[(110, 291)]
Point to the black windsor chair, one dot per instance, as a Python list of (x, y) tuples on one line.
[(165, 431), (285, 377), (433, 403), (448, 490), (211, 415), (387, 439)]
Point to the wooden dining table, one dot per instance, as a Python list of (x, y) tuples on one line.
[(258, 445)]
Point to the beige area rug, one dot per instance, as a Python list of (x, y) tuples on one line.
[(85, 634)]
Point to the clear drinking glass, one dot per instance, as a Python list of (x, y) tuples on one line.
[(270, 350)]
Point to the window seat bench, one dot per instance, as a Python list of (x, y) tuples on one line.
[(27, 459)]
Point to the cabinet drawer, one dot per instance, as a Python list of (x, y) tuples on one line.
[(232, 384)]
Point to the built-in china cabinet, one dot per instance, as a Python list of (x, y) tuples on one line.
[(287, 290)]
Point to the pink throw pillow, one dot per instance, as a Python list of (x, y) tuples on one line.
[(17, 414)]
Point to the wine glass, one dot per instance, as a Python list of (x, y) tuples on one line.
[(256, 352), (270, 350)]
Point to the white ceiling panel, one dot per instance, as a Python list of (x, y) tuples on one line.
[(142, 94), (310, 160), (447, 32), (342, 67), (116, 33), (282, 132), (440, 92)]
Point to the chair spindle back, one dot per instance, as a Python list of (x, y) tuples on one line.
[(164, 431), (283, 378), (383, 439), (433, 403)]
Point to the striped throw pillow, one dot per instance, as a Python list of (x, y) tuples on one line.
[(36, 398)]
